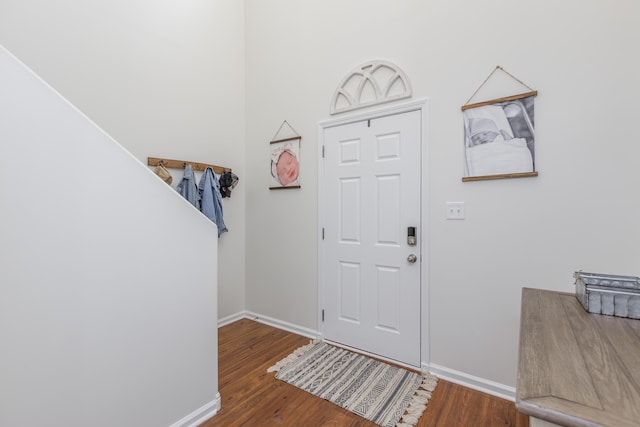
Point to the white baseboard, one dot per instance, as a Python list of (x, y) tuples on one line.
[(276, 323), (200, 415), (281, 324), (233, 318), (473, 382)]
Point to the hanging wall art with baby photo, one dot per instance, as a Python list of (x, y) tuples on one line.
[(285, 163), (499, 138)]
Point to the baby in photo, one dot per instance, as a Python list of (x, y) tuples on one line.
[(482, 131), (285, 166)]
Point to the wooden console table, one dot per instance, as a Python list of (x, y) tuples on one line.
[(576, 368)]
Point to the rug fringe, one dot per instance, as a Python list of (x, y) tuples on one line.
[(429, 382), (292, 357), (418, 402)]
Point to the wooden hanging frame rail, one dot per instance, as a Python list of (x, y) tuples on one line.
[(495, 101), (180, 164)]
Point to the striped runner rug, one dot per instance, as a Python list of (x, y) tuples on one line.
[(384, 394)]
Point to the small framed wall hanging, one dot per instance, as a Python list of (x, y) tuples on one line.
[(499, 137), (285, 162)]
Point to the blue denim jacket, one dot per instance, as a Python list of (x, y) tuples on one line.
[(187, 187), (211, 199)]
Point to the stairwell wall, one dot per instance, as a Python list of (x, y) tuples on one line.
[(99, 323)]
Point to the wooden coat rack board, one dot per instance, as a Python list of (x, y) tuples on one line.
[(180, 164)]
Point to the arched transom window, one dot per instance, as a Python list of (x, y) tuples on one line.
[(371, 83)]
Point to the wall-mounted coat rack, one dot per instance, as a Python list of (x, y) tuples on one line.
[(180, 164)]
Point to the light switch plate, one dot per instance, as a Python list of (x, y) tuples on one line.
[(455, 210)]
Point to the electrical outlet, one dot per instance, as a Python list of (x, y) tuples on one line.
[(455, 210)]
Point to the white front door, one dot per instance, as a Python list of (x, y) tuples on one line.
[(371, 196)]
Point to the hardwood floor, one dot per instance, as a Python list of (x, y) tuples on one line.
[(253, 397)]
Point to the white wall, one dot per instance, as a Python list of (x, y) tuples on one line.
[(580, 213), (164, 78), (167, 79), (100, 324)]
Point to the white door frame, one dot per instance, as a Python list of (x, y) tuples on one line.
[(419, 105)]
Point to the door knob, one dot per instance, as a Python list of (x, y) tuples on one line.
[(412, 258)]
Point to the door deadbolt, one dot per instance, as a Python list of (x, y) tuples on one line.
[(411, 236)]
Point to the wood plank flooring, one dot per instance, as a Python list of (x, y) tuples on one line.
[(253, 397)]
